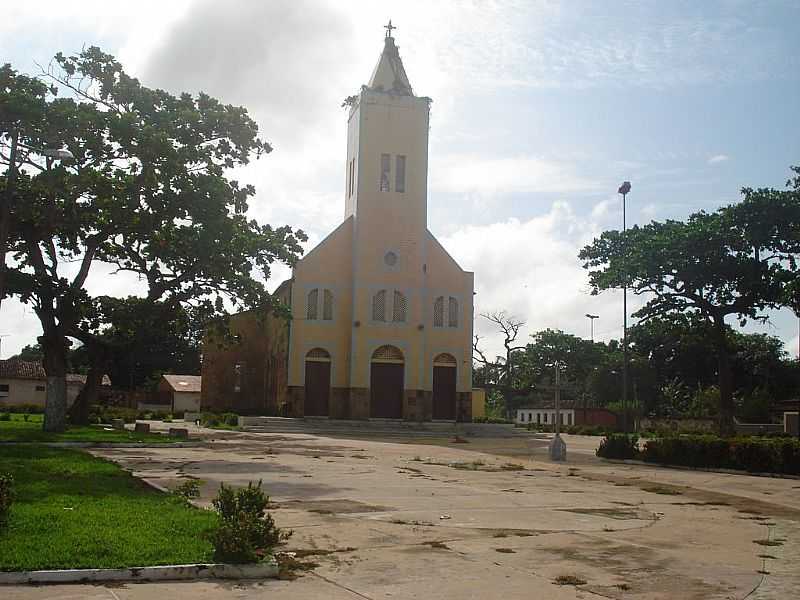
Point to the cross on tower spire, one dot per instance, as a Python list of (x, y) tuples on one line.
[(389, 29)]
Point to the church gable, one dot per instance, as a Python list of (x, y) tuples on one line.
[(332, 257), (439, 260)]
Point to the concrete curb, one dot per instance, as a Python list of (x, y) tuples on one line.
[(106, 444), (629, 461), (263, 570)]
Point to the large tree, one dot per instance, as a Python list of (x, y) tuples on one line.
[(148, 192), (736, 262)]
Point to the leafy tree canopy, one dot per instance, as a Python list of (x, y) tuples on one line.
[(148, 191), (738, 261)]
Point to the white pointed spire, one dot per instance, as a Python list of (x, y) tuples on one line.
[(389, 74)]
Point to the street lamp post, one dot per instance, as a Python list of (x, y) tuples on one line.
[(624, 189), (558, 449), (591, 324)]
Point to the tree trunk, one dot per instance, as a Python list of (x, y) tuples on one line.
[(88, 396), (5, 211), (55, 368), (726, 426)]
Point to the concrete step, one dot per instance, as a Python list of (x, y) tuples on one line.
[(376, 427)]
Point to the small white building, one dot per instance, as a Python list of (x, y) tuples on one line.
[(183, 392), (544, 416), (25, 382)]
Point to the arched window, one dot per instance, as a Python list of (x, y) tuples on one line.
[(379, 306), (311, 304), (444, 360), (399, 306), (452, 312), (318, 355), (387, 354), (327, 305), (438, 312)]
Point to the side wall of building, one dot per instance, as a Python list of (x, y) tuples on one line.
[(31, 391), (249, 375)]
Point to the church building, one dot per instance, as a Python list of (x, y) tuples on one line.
[(382, 317)]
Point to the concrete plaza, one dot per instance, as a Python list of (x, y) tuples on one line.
[(491, 518)]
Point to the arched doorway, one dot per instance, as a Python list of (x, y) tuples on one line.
[(444, 387), (386, 383), (318, 383)]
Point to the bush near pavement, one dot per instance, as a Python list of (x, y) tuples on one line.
[(619, 446), (753, 454), (246, 532), (223, 421)]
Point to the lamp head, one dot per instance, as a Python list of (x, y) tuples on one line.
[(624, 188)]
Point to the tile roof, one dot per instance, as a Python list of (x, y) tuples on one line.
[(21, 369), (184, 383), (25, 369)]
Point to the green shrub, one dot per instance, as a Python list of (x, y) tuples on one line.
[(492, 420), (5, 416), (105, 414), (246, 532), (210, 419), (24, 409), (753, 454), (187, 490), (619, 445), (6, 496), (707, 451), (231, 419)]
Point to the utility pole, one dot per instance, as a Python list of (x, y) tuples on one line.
[(624, 189), (558, 449)]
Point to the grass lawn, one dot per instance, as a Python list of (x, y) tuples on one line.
[(73, 510), (19, 430)]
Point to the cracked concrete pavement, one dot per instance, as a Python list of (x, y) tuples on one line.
[(491, 518)]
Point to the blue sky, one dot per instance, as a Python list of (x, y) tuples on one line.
[(540, 110)]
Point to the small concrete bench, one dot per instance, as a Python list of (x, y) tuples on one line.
[(118, 423), (179, 432), (142, 428)]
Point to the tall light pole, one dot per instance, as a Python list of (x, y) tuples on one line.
[(591, 324), (624, 189)]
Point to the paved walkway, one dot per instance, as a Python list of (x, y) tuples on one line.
[(484, 519)]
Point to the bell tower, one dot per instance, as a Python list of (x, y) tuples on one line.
[(386, 182)]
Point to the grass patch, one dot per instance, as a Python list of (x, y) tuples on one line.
[(73, 510), (660, 489), (768, 542), (17, 429), (569, 580)]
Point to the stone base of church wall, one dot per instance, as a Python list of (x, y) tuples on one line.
[(295, 401), (359, 403), (339, 403), (417, 405), (464, 407), (354, 403)]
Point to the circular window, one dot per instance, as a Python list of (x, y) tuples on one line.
[(390, 258)]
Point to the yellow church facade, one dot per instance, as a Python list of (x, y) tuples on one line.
[(382, 315)]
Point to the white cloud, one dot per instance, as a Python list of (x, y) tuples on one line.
[(718, 158), (531, 269), (464, 173)]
